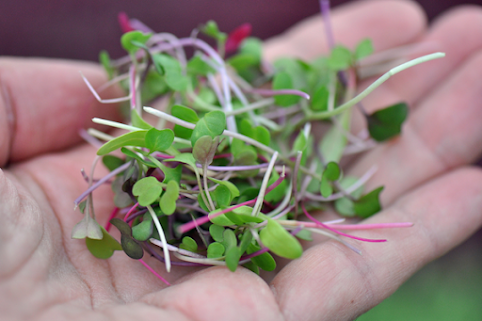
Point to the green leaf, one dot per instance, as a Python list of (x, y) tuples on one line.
[(251, 266), (245, 241), (319, 100), (105, 61), (283, 80), (169, 198), (243, 61), (340, 58), (212, 124), (278, 192), (88, 227), (143, 231), (122, 226), (173, 71), (137, 37), (147, 190), (135, 138), (216, 232), (334, 141), (137, 120), (241, 219), (132, 248), (184, 113), (222, 196), (363, 49), (220, 220), (112, 162), (215, 250), (368, 204), (344, 205), (304, 235), (204, 149), (300, 142), (232, 258), (260, 133), (188, 244), (387, 123), (325, 187), (104, 248), (265, 261), (159, 140), (232, 188), (211, 29), (197, 66), (252, 46), (229, 239), (332, 171), (279, 241)]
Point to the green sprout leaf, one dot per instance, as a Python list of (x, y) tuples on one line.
[(368, 204), (188, 244), (279, 241), (215, 250), (112, 162), (197, 66), (334, 141), (137, 120), (212, 124), (130, 246), (147, 190), (131, 40), (363, 49), (88, 227), (265, 261), (330, 174), (169, 198), (231, 187), (172, 71), (135, 138), (204, 149), (143, 230), (386, 123), (211, 29), (278, 192), (283, 80), (159, 140), (319, 100), (232, 258), (222, 196), (217, 232), (105, 61), (259, 133), (340, 58), (104, 248)]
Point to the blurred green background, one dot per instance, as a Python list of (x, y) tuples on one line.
[(449, 288)]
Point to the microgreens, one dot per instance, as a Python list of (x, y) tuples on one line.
[(232, 163)]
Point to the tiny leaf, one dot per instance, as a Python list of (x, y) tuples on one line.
[(104, 248), (159, 140), (280, 241), (363, 49), (216, 232), (188, 244), (368, 204), (386, 123), (169, 198), (147, 190), (135, 138), (215, 250)]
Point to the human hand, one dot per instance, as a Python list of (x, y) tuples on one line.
[(46, 275)]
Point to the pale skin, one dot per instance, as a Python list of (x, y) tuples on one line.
[(45, 275)]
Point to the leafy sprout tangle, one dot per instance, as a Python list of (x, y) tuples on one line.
[(232, 166)]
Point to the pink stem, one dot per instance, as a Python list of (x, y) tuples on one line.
[(130, 211), (111, 216), (372, 226), (336, 231), (154, 272)]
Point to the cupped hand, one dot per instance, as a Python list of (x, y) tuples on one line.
[(45, 275)]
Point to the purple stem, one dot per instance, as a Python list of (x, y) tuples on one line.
[(234, 168), (154, 272), (325, 13), (100, 182), (258, 252)]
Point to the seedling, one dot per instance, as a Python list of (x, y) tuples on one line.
[(230, 169)]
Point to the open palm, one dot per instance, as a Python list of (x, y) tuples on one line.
[(44, 274)]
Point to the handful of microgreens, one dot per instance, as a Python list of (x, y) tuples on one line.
[(231, 171)]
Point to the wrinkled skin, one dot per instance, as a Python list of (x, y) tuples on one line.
[(45, 275)]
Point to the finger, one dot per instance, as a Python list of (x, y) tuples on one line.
[(458, 33), (44, 103), (219, 294), (351, 23), (330, 282), (444, 132)]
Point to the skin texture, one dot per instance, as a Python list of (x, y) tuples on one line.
[(45, 275)]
